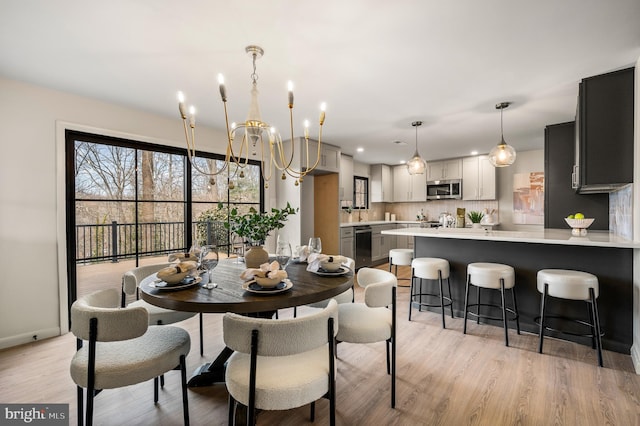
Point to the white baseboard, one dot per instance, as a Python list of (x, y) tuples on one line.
[(635, 357), (21, 339)]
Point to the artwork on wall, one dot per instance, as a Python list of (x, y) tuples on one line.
[(528, 198)]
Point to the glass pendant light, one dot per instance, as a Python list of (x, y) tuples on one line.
[(417, 165), (502, 155)]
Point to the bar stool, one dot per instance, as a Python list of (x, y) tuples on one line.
[(571, 285), (493, 276), (429, 268), (400, 257)]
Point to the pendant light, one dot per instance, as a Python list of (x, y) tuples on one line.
[(502, 155), (416, 166)]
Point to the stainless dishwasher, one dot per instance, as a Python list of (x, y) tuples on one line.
[(363, 246)]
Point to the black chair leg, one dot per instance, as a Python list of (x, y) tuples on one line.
[(542, 306), (185, 398), (80, 413), (162, 380), (312, 411), (89, 414), (596, 316), (201, 336), (155, 390), (388, 360), (232, 406)]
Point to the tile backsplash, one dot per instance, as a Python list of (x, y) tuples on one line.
[(620, 212), (431, 209)]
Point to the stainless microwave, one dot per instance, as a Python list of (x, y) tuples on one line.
[(444, 189)]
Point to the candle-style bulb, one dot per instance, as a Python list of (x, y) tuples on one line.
[(323, 108), (183, 113), (223, 90), (192, 118), (306, 129), (290, 88)]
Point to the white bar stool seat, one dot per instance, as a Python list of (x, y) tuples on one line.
[(571, 285), (400, 257), (429, 268), (495, 276)]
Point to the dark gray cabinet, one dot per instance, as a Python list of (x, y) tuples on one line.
[(604, 143), (560, 200)]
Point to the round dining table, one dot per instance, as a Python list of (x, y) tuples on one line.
[(229, 296)]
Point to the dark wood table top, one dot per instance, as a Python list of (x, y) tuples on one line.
[(230, 297)]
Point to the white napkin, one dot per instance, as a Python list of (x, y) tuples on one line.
[(302, 252), (270, 270), (314, 260), (182, 257)]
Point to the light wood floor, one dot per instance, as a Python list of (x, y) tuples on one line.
[(444, 378)]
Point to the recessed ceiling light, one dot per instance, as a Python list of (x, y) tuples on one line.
[(403, 161), (360, 149), (474, 152)]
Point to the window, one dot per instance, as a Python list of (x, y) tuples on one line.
[(360, 192)]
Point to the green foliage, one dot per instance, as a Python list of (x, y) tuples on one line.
[(475, 217), (215, 216), (255, 226)]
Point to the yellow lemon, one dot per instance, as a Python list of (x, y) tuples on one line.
[(578, 216)]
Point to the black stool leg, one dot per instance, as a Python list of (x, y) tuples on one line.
[(466, 304), (478, 298), (504, 313), (592, 323), (450, 296), (594, 304), (515, 308), (411, 291), (420, 291), (542, 306), (441, 297)]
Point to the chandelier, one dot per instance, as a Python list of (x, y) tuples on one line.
[(417, 165), (502, 155), (247, 138)]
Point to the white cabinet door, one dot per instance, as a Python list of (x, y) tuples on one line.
[(444, 170), (381, 183), (408, 187), (346, 180), (478, 179), (329, 160)]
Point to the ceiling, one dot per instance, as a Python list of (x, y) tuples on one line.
[(378, 64)]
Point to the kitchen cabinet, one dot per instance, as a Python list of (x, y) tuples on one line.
[(381, 244), (347, 242), (329, 156), (381, 183), (346, 180), (444, 170), (406, 187), (478, 178), (604, 143), (560, 200)]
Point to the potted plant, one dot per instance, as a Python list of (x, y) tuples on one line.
[(475, 218), (255, 227)]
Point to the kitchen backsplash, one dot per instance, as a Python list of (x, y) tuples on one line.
[(620, 212)]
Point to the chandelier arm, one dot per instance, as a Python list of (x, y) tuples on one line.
[(191, 150)]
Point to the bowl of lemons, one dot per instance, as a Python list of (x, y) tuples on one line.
[(578, 224)]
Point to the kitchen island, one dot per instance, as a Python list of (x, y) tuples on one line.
[(601, 253)]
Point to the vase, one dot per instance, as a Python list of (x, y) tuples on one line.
[(256, 256), (476, 225)]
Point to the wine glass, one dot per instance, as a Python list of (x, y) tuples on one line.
[(283, 252), (315, 245), (209, 260)]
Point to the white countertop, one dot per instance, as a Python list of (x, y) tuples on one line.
[(378, 222), (546, 236)]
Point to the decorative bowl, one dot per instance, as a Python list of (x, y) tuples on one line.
[(579, 226), (267, 282), (175, 278), (332, 264)]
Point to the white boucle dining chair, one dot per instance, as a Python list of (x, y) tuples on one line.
[(375, 319), (281, 364), (157, 315), (122, 349), (347, 296)]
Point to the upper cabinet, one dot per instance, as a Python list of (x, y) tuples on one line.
[(381, 183), (478, 178), (329, 156), (604, 126), (346, 179), (444, 170), (408, 187)]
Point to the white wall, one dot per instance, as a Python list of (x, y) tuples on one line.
[(32, 235)]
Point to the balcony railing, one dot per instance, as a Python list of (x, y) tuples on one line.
[(116, 241)]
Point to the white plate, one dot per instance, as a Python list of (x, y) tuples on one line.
[(253, 287), (343, 270), (163, 286)]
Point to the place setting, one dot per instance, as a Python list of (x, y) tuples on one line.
[(327, 265), (268, 279)]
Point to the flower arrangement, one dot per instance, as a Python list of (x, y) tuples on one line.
[(255, 226)]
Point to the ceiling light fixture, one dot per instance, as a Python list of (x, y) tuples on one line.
[(256, 134), (416, 166), (502, 155)]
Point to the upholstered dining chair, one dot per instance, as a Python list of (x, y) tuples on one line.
[(157, 315), (344, 297), (375, 319), (280, 364), (122, 349)]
